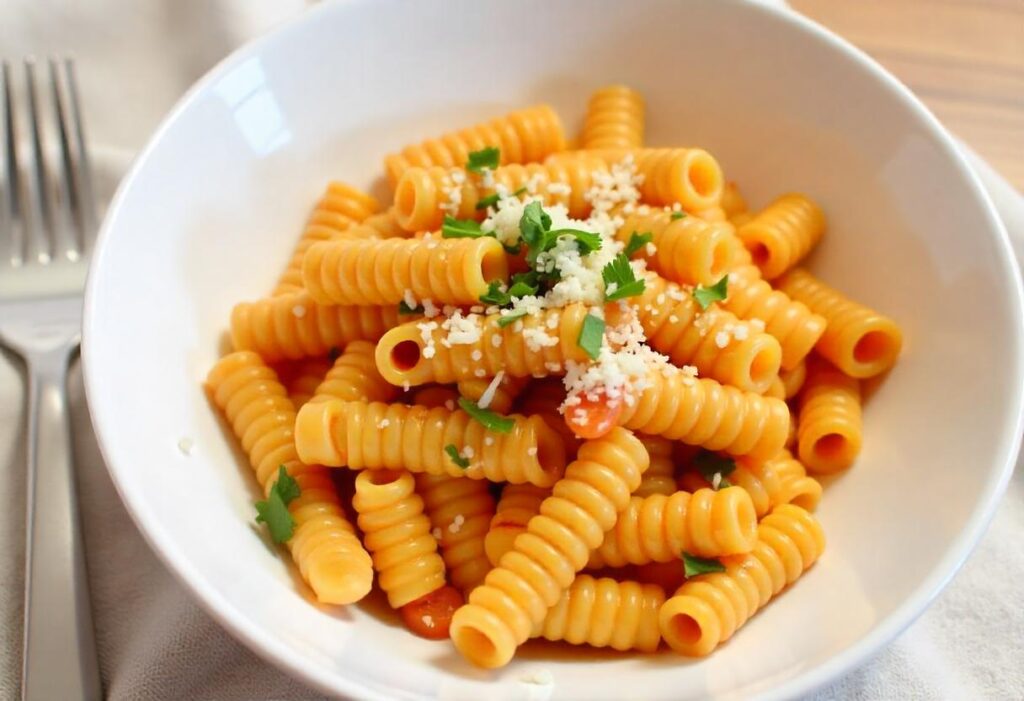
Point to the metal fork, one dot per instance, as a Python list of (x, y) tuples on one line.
[(47, 225)]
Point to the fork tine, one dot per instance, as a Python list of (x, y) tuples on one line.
[(65, 229), (36, 194), (11, 240), (82, 172)]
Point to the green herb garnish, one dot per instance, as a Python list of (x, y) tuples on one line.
[(490, 420), (709, 464), (694, 566), (453, 453), (453, 228), (636, 242), (489, 201), (273, 510), (620, 273), (716, 293), (511, 318), (404, 308), (591, 335), (484, 158), (677, 215)]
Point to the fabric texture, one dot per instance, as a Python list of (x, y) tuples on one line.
[(135, 59)]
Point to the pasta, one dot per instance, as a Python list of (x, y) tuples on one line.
[(829, 428), (615, 119), (501, 614), (361, 435), (294, 326), (476, 352), (708, 609), (522, 136), (606, 613), (368, 272), (324, 545), (706, 523), (857, 340), (783, 234)]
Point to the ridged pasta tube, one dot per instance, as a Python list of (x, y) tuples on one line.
[(706, 523), (710, 340), (709, 608), (515, 596), (432, 396), (606, 613), (504, 394), (542, 398), (688, 250), (340, 209), (858, 340), (424, 195), (324, 545), (793, 379), (460, 511), (796, 486), (795, 326), (294, 326), (384, 272), (374, 435), (354, 377), (783, 233), (517, 505), (301, 378), (757, 478), (523, 136), (705, 413), (397, 534), (418, 352), (660, 476), (829, 430), (615, 119), (690, 176)]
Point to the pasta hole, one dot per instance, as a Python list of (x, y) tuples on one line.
[(405, 199), (872, 347), (479, 644), (494, 265), (759, 252), (685, 629), (831, 447), (405, 355), (721, 257), (382, 478), (550, 449), (764, 367), (704, 175)]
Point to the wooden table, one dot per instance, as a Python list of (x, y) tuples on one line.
[(963, 58)]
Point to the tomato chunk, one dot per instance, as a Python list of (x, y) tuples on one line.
[(430, 616), (600, 414)]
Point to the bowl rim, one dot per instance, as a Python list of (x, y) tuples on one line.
[(284, 658)]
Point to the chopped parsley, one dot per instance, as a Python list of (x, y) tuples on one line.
[(694, 566), (636, 242), (620, 273), (677, 215), (591, 335), (489, 201), (453, 228), (453, 453), (273, 510), (490, 420), (404, 308), (488, 157), (709, 464), (523, 285), (511, 318), (716, 293)]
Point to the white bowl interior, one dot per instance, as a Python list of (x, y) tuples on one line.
[(215, 204)]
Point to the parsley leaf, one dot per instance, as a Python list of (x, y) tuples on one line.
[(636, 242), (489, 201), (273, 510), (620, 272), (677, 215), (453, 453), (693, 565), (510, 318), (404, 308), (490, 420), (494, 295), (591, 335), (587, 241), (708, 465), (533, 224), (453, 228), (716, 293), (484, 158)]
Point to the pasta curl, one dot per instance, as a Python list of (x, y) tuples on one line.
[(709, 608), (687, 250), (660, 476), (324, 546), (523, 136), (517, 505), (829, 430), (301, 378), (796, 486), (354, 377), (543, 398), (374, 435), (858, 340), (615, 119), (606, 613), (757, 478), (783, 233)]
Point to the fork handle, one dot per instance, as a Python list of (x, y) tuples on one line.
[(59, 654)]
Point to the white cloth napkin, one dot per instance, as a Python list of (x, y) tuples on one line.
[(154, 642)]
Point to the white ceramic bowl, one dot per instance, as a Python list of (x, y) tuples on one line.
[(213, 206)]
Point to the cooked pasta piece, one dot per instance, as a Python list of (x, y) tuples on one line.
[(829, 431), (504, 395), (354, 377), (374, 435), (757, 478), (542, 398), (709, 608), (615, 119), (424, 196), (858, 340), (301, 378), (397, 534), (606, 613), (421, 351), (294, 326), (706, 523), (660, 477), (732, 203), (783, 233), (705, 413), (795, 326), (797, 487), (776, 390), (460, 511), (793, 380), (323, 545), (515, 596), (517, 505), (687, 250), (523, 136), (368, 272), (714, 341), (431, 396)]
